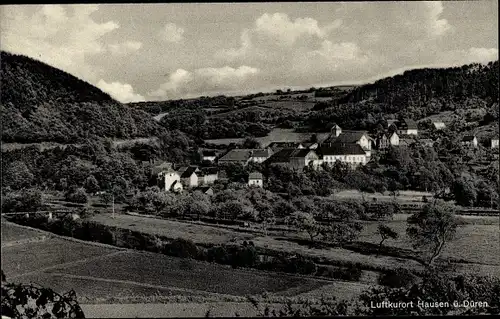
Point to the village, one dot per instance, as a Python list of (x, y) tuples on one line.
[(352, 147)]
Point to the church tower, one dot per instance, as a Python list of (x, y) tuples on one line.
[(336, 130)]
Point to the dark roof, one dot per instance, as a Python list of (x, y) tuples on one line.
[(203, 189), (341, 149), (346, 137), (468, 138), (261, 153), (410, 124), (189, 171), (237, 155), (209, 170), (274, 145), (301, 152), (282, 156), (209, 153), (255, 175)]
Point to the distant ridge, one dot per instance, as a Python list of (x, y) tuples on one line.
[(41, 103)]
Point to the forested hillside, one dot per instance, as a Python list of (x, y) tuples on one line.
[(415, 94), (41, 103)]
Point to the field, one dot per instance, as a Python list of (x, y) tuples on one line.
[(276, 135), (291, 105), (105, 275), (12, 233)]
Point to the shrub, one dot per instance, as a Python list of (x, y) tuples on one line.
[(397, 278), (342, 273), (77, 196), (183, 248)]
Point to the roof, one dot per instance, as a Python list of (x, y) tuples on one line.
[(209, 153), (341, 149), (346, 137), (301, 152), (189, 171), (203, 189), (282, 156), (237, 155), (209, 170), (284, 145), (410, 124), (261, 153), (255, 175), (163, 167), (468, 138), (308, 144)]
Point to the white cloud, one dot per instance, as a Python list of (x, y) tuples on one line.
[(122, 92), (436, 25), (198, 82), (172, 33), (55, 35), (125, 47)]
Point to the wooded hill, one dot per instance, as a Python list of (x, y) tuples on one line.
[(42, 103)]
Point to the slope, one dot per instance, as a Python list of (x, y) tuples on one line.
[(41, 103)]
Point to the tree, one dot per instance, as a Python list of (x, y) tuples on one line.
[(251, 142), (432, 227), (305, 222), (385, 233), (30, 301), (91, 185), (77, 195), (464, 191), (17, 175)]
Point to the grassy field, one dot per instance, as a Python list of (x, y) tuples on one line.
[(292, 105), (29, 257), (12, 233), (156, 269)]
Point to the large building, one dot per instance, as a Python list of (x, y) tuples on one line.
[(352, 154), (339, 136), (294, 158), (244, 156), (278, 146), (407, 127)]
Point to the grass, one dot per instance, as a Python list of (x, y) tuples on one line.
[(173, 229), (156, 269), (292, 105), (11, 233), (22, 259)]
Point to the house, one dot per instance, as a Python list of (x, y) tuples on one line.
[(277, 146), (392, 122), (352, 154), (407, 127), (189, 176), (209, 175), (260, 155), (294, 158), (255, 179), (351, 137), (469, 141), (172, 181), (243, 156), (494, 143), (336, 130), (439, 125), (205, 190), (209, 156), (311, 146), (387, 139)]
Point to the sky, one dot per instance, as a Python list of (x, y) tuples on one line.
[(146, 52)]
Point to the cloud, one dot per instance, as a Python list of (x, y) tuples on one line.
[(125, 47), (122, 92), (436, 25), (60, 36), (204, 80), (172, 33)]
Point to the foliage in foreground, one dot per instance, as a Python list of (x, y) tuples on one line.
[(29, 301)]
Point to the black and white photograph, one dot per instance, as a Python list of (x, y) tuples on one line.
[(250, 159)]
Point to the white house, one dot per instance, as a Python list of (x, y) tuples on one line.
[(407, 127), (172, 181), (494, 143), (439, 125), (352, 154), (209, 156), (209, 174), (189, 176), (255, 179), (469, 141)]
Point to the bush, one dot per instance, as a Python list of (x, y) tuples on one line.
[(23, 201), (398, 278), (342, 273), (183, 248), (77, 196)]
